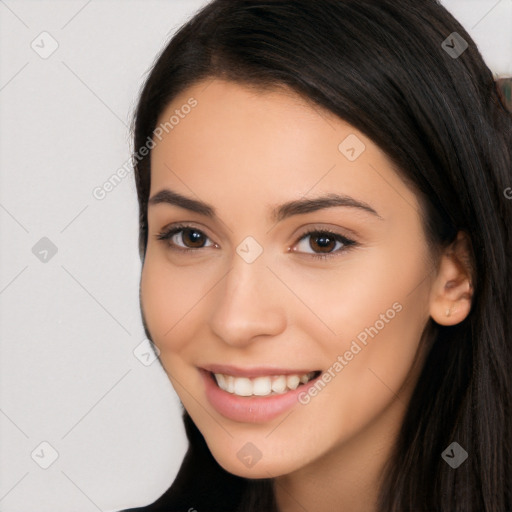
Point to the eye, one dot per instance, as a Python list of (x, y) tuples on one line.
[(324, 244), (191, 238)]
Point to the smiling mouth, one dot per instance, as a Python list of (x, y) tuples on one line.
[(262, 386)]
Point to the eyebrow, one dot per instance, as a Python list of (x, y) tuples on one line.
[(278, 214)]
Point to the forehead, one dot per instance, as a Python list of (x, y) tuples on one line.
[(249, 120), (239, 143)]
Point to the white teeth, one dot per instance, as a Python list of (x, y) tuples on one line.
[(261, 386), (221, 380), (279, 384), (230, 384), (243, 386), (292, 381)]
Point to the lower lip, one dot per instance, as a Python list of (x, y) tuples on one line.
[(250, 409)]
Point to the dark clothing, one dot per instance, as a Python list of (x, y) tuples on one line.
[(201, 485)]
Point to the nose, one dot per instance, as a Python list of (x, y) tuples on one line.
[(249, 304)]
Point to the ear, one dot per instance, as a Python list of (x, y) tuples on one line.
[(452, 290)]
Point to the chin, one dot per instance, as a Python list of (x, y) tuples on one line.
[(245, 462)]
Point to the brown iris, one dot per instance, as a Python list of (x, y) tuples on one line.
[(325, 242), (196, 238)]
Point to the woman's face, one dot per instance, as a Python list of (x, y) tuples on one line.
[(243, 284)]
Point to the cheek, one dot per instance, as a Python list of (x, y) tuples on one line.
[(375, 305), (166, 298), (370, 375), (365, 290), (379, 316)]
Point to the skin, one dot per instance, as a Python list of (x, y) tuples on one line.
[(244, 151)]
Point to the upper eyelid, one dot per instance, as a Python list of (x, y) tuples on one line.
[(176, 228)]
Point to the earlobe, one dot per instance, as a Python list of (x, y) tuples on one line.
[(452, 290)]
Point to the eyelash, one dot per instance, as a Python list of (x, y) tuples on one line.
[(166, 236)]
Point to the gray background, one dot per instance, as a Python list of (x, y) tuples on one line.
[(73, 373)]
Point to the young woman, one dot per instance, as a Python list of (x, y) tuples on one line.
[(325, 230)]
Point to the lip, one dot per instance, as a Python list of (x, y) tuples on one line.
[(251, 409), (255, 371)]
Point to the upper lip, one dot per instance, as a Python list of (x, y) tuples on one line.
[(254, 371)]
